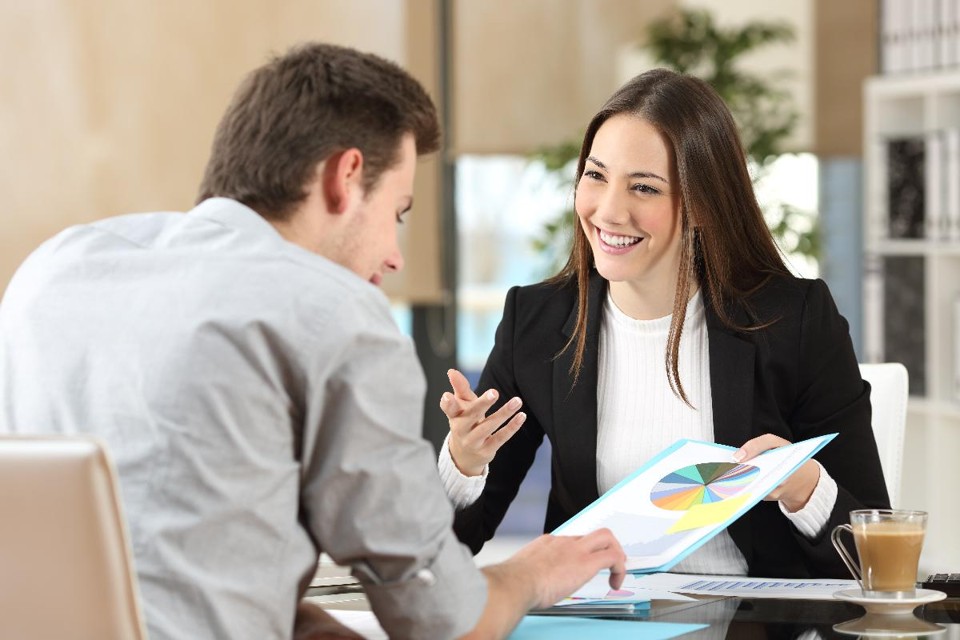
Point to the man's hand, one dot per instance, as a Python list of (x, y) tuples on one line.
[(543, 572), (476, 437), (559, 565), (795, 491)]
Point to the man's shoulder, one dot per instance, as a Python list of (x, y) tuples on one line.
[(127, 228)]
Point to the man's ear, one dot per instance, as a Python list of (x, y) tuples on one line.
[(342, 179)]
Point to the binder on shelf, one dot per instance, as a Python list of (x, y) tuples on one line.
[(905, 187), (908, 36), (904, 317), (890, 58), (956, 348), (947, 34), (919, 35), (935, 186), (951, 177), (923, 30)]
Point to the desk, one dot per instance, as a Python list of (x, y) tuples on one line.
[(753, 619)]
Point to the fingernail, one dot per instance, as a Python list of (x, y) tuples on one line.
[(514, 403), (491, 394), (522, 417), (739, 455)]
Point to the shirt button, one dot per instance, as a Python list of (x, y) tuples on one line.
[(426, 577)]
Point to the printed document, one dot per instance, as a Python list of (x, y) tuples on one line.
[(793, 589), (684, 496)]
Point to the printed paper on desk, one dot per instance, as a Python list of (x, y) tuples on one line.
[(684, 496), (779, 588), (598, 590)]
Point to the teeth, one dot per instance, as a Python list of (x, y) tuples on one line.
[(618, 241)]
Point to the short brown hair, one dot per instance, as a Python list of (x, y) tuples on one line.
[(298, 109)]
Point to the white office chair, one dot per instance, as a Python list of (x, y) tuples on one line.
[(65, 564), (888, 397)]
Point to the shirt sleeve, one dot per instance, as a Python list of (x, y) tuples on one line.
[(370, 494), (462, 490), (814, 516)]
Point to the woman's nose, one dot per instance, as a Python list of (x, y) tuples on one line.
[(612, 208)]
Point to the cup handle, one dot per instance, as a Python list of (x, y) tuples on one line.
[(844, 554)]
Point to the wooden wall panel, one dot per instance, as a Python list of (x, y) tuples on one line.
[(845, 55), (109, 106), (533, 73)]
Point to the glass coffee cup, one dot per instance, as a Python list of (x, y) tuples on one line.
[(888, 543)]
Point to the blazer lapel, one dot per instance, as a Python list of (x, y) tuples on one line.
[(575, 406), (731, 382)]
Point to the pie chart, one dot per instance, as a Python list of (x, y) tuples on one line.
[(702, 483)]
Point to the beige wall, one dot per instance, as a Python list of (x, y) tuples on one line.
[(533, 73), (846, 54), (109, 106)]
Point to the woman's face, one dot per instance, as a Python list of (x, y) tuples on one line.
[(628, 202)]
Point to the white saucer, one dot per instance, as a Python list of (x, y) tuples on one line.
[(890, 606), (878, 625)]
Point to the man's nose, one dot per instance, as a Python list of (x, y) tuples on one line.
[(395, 261)]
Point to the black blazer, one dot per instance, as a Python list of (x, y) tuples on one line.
[(797, 378)]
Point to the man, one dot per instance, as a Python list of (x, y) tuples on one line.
[(245, 372)]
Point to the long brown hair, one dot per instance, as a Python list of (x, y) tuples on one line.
[(726, 246)]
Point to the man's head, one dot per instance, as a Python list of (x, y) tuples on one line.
[(322, 142), (293, 113)]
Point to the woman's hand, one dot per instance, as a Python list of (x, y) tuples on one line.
[(795, 491), (476, 437)]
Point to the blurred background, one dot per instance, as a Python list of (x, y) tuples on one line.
[(109, 107)]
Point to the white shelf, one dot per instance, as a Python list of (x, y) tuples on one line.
[(914, 85), (934, 408), (915, 105), (890, 247), (911, 104)]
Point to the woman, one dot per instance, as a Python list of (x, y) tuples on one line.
[(674, 317)]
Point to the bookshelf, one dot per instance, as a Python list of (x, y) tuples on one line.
[(912, 280)]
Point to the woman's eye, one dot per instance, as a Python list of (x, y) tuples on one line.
[(645, 188), (593, 175)]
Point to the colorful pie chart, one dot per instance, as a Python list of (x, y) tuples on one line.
[(702, 483)]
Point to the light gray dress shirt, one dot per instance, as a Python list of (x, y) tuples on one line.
[(260, 405)]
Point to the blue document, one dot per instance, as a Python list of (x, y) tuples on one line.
[(544, 628), (684, 496)]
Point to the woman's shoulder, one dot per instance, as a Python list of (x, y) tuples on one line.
[(548, 293), (786, 295), (543, 301), (785, 289)]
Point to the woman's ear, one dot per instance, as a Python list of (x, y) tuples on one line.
[(342, 179)]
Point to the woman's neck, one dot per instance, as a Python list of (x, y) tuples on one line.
[(646, 302)]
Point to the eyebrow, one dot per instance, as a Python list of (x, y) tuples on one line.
[(634, 174)]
